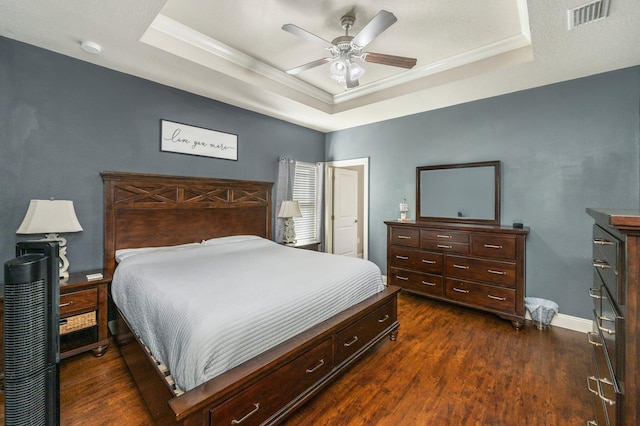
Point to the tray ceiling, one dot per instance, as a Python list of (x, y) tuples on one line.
[(236, 52)]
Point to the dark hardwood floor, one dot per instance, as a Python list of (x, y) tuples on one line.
[(449, 366)]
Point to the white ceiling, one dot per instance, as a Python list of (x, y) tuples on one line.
[(236, 51)]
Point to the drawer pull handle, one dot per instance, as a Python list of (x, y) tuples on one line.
[(444, 236), (314, 368), (595, 293), (430, 262), (428, 283), (255, 410), (589, 379), (351, 342), (402, 257), (455, 265), (502, 299), (445, 246), (402, 278), (601, 264), (599, 391), (460, 290), (404, 237), (493, 246), (384, 318), (603, 242), (590, 337), (493, 271), (63, 305), (601, 327)]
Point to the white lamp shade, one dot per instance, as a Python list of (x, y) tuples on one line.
[(289, 209), (49, 216)]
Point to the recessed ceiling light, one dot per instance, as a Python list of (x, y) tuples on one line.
[(91, 47)]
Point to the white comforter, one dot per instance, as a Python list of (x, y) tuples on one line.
[(204, 308)]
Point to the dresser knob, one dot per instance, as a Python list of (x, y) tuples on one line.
[(601, 264)]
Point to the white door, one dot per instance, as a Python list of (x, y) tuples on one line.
[(345, 212)]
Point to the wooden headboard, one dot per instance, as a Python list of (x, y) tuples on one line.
[(146, 210)]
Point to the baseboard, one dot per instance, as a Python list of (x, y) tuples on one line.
[(559, 320), (569, 322)]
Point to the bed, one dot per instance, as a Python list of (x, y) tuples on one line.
[(143, 210)]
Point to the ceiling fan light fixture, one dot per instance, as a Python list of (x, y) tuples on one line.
[(355, 71), (338, 70)]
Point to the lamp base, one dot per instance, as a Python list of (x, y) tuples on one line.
[(62, 254), (289, 231)]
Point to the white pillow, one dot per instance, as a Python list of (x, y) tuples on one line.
[(126, 253)]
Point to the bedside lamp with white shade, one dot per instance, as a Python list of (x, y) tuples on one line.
[(51, 217), (289, 210)]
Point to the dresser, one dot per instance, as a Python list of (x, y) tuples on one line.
[(478, 266), (615, 378)]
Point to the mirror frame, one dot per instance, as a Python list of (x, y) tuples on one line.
[(496, 173)]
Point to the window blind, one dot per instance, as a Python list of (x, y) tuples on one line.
[(304, 192)]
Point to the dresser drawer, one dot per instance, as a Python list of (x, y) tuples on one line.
[(490, 271), (78, 302), (416, 281), (497, 298), (354, 337), (606, 247), (607, 260), (445, 246), (496, 246), (444, 235), (606, 397), (405, 237), (261, 401), (423, 261), (610, 325)]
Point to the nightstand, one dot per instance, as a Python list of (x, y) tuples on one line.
[(83, 315), (313, 245)]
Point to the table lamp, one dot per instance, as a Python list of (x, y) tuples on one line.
[(289, 210), (51, 217)]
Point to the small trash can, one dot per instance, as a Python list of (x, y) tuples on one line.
[(542, 311)]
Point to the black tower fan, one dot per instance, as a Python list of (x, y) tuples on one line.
[(32, 338)]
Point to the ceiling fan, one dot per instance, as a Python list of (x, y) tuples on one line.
[(345, 49)]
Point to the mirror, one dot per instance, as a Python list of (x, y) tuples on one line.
[(464, 193)]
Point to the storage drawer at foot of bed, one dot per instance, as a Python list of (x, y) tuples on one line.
[(497, 298), (266, 397), (353, 338)]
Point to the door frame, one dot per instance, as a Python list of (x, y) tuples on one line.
[(328, 205)]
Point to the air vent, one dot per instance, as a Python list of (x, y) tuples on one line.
[(590, 12)]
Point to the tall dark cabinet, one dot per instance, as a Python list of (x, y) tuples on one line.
[(615, 378)]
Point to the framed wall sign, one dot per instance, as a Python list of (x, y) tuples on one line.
[(185, 139)]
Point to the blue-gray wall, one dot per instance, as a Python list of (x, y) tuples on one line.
[(62, 121), (563, 147)]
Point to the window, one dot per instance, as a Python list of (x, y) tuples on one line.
[(304, 192)]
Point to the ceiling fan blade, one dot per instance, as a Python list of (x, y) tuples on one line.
[(374, 28), (308, 66), (394, 61), (350, 82), (295, 30)]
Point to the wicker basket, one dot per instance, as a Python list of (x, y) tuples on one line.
[(78, 322)]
